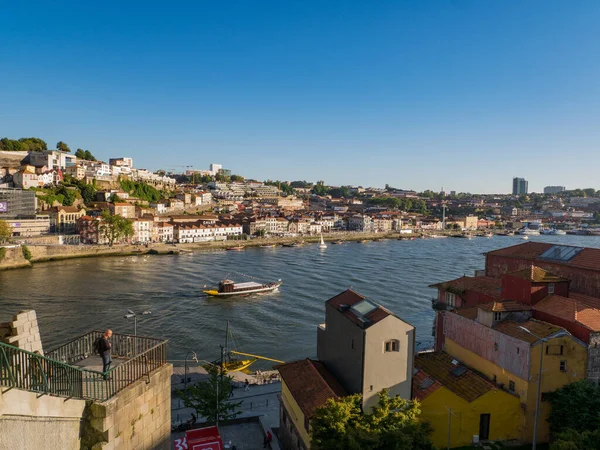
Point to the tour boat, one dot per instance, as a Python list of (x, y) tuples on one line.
[(322, 245), (236, 248), (228, 288)]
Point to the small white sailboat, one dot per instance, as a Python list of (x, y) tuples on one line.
[(322, 244)]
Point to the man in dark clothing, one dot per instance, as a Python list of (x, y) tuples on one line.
[(268, 439), (104, 349)]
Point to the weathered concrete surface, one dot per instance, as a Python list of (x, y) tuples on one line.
[(137, 418), (13, 259), (29, 421)]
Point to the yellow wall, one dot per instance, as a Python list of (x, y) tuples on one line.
[(502, 407), (552, 378), (295, 413)]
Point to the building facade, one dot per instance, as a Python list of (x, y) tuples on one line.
[(554, 189), (520, 186)]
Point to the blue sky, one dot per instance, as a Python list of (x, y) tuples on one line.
[(416, 94)]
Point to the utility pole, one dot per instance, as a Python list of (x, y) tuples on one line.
[(450, 414)]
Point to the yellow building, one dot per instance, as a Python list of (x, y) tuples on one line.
[(452, 394), (507, 354), (64, 218), (305, 386)]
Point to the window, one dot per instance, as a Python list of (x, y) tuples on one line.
[(392, 346), (450, 299), (563, 366), (518, 350), (497, 316), (550, 288), (511, 386)]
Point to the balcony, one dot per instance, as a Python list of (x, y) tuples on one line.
[(74, 371)]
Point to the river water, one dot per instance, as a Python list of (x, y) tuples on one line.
[(74, 296)]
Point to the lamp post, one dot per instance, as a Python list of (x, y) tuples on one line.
[(131, 315), (194, 358), (539, 387)]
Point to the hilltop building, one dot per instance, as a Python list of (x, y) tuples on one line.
[(554, 189), (520, 186)]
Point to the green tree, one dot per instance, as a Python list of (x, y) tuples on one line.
[(301, 184), (320, 188), (62, 146), (80, 153), (114, 228), (575, 440), (88, 193), (5, 232), (88, 156), (575, 406), (394, 423), (23, 145), (210, 398), (236, 178)]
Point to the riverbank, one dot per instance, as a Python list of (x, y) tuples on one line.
[(13, 258)]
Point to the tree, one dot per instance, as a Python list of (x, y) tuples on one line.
[(88, 156), (114, 228), (392, 424), (80, 153), (574, 440), (210, 398), (88, 193), (5, 231), (575, 406), (236, 178), (23, 145), (63, 147), (69, 195), (320, 188)]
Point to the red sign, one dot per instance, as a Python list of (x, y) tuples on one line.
[(204, 439)]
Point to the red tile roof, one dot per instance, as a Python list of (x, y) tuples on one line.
[(485, 285), (576, 308), (422, 387), (469, 313), (537, 275), (438, 365), (587, 258), (310, 383), (344, 302), (537, 327)]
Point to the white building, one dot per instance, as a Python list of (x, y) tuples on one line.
[(142, 230), (186, 233), (52, 159), (215, 168)]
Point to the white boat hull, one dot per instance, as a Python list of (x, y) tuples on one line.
[(250, 291)]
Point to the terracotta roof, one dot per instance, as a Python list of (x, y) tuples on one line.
[(505, 306), (121, 204), (423, 385), (485, 285), (345, 301), (67, 209), (537, 327), (310, 383), (438, 365), (577, 308), (587, 258), (527, 250), (537, 275)]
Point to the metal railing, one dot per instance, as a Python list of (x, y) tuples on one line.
[(55, 373), (82, 347)]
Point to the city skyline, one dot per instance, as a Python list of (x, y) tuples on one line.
[(465, 96)]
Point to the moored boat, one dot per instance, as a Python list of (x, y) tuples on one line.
[(236, 248), (268, 246), (229, 287), (338, 242)]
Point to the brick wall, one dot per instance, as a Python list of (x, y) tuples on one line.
[(137, 418), (22, 332)]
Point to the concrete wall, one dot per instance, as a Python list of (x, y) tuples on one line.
[(22, 332), (137, 418), (32, 422), (13, 259), (388, 370), (340, 347)]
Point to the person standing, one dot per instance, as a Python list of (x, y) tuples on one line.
[(268, 439), (104, 347)]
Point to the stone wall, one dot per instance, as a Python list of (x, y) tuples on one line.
[(13, 258), (137, 418), (22, 332), (593, 363), (29, 421)]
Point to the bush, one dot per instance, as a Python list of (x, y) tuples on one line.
[(26, 252), (2, 253)]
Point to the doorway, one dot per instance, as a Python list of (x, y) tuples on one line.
[(484, 427)]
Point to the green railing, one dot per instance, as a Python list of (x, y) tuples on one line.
[(55, 373)]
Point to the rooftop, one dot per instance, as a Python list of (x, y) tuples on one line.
[(537, 275), (582, 257), (448, 372), (310, 383), (576, 308), (358, 309), (505, 306), (485, 285), (537, 327)]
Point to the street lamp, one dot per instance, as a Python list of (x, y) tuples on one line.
[(194, 358), (132, 315), (539, 388)]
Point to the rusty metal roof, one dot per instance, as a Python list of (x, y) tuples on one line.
[(486, 285), (576, 308)]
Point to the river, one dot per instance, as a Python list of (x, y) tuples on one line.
[(74, 296)]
